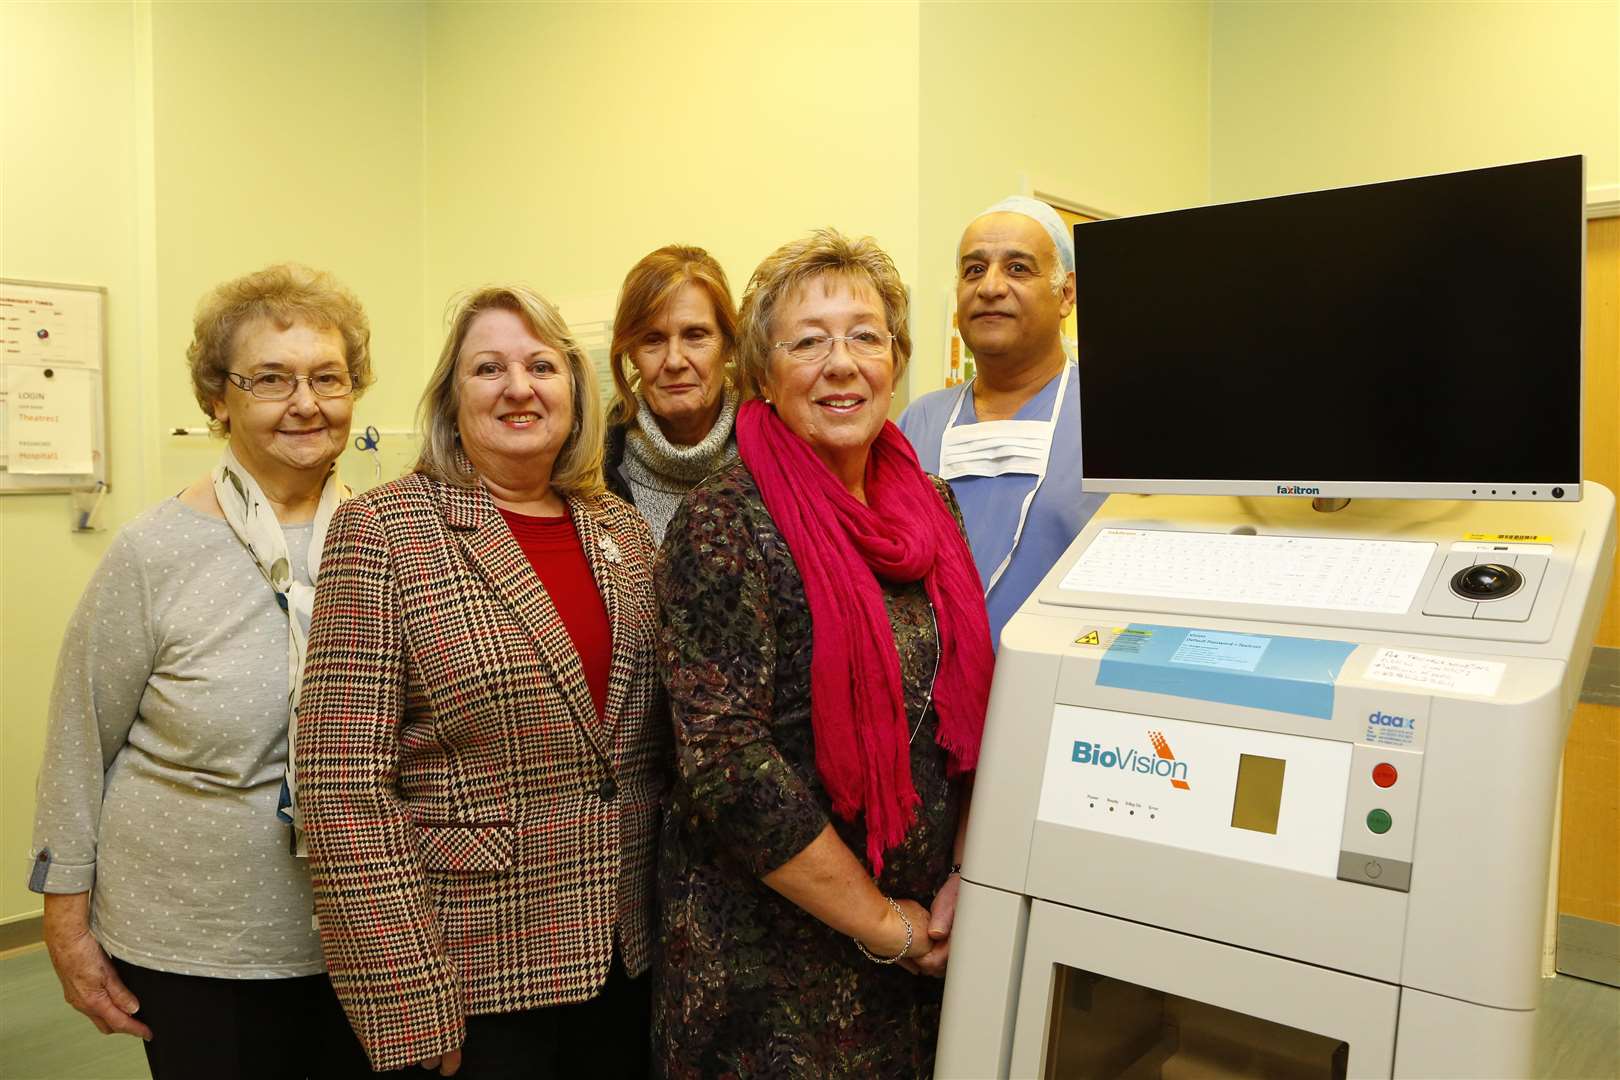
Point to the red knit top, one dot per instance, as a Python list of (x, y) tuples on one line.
[(554, 550)]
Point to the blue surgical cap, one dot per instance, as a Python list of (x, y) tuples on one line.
[(1046, 217)]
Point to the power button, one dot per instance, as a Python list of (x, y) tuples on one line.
[(1384, 774)]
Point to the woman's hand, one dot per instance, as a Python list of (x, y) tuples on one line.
[(448, 1065), (89, 981), (940, 919), (827, 881)]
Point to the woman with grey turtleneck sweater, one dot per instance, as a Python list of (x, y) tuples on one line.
[(671, 423)]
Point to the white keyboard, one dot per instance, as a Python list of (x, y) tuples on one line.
[(1287, 571)]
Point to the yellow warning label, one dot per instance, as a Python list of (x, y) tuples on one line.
[(1103, 637), (1508, 538)]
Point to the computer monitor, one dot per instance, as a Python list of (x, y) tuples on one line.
[(1412, 339)]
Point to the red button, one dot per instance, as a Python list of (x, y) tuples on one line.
[(1384, 775)]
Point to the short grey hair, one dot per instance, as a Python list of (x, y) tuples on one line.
[(797, 263), (283, 294), (1058, 278), (578, 468)]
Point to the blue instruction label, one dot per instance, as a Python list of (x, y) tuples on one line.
[(1282, 674), (1230, 652)]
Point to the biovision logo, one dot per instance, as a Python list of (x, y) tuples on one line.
[(1295, 489), (1162, 763)]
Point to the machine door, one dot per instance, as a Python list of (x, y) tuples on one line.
[(1102, 997)]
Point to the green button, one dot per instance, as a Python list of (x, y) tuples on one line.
[(1379, 821)]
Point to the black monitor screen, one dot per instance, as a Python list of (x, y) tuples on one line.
[(1417, 332)]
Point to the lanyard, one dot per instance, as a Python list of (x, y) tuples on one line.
[(1040, 477)]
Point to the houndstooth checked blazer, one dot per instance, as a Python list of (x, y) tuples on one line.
[(476, 835)]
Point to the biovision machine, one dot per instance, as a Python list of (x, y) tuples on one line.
[(1268, 783)]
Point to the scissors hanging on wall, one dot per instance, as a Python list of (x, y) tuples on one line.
[(369, 441)]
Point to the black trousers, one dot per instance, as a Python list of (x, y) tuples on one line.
[(605, 1038), (244, 1029)]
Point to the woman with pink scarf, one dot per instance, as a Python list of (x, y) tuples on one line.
[(827, 655)]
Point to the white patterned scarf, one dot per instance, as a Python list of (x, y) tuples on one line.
[(253, 520)]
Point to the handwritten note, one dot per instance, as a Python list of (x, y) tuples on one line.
[(1479, 677)]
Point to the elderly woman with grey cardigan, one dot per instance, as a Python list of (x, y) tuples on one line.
[(670, 426), (176, 908)]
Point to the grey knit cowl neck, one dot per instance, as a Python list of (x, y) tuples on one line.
[(660, 473)]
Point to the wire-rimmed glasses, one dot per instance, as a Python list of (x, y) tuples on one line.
[(862, 344), (281, 385)]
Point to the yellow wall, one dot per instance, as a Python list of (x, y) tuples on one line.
[(1106, 104), (565, 141), (181, 145), (288, 131), (783, 119), (73, 221), (1316, 95)]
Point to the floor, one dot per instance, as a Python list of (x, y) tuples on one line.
[(1577, 1030), (41, 1038)]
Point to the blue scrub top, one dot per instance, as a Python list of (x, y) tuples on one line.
[(990, 503)]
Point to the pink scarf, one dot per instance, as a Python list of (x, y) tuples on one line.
[(842, 549)]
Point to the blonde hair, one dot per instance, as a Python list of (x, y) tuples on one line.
[(649, 286), (283, 294), (578, 468), (794, 265)]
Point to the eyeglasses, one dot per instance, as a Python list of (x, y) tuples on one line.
[(281, 385), (862, 344)]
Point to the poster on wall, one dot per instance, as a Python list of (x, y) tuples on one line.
[(52, 363), (47, 419), (959, 364), (590, 319)]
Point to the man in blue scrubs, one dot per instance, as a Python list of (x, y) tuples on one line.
[(1009, 441)]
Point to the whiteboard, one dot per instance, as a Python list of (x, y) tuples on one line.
[(53, 371)]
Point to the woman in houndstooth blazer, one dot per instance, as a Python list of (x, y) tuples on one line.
[(482, 747)]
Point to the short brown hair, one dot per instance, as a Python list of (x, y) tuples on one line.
[(794, 265), (285, 293), (578, 468), (648, 287)]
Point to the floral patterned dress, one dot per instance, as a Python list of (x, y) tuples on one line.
[(746, 983)]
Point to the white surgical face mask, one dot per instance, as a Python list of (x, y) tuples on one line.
[(1001, 448), (995, 448)]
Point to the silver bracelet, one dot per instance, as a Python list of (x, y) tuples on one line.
[(903, 949)]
